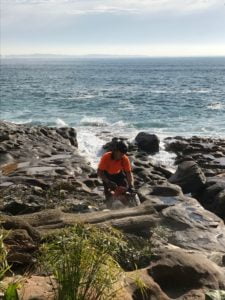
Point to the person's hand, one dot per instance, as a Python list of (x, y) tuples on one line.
[(130, 189)]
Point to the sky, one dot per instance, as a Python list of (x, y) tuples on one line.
[(113, 27)]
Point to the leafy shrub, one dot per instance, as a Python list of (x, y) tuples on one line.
[(80, 259), (134, 253), (4, 266), (11, 290)]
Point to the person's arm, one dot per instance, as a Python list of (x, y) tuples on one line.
[(130, 179), (102, 175)]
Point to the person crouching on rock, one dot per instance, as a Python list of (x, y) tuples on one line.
[(115, 170)]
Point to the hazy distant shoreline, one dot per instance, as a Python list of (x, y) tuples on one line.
[(101, 56)]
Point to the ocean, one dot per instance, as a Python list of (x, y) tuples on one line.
[(109, 97)]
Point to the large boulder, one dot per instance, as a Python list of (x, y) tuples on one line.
[(213, 196), (189, 177), (177, 272), (147, 142)]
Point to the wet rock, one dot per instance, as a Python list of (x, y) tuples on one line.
[(208, 153), (189, 177), (190, 226), (147, 142)]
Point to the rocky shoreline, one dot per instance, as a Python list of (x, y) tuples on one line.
[(45, 184)]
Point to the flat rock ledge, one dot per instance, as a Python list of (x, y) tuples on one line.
[(46, 185)]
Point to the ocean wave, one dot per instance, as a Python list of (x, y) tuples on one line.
[(60, 123), (216, 106), (180, 91), (119, 124), (29, 121), (94, 122)]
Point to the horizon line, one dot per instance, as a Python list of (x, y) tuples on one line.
[(102, 55)]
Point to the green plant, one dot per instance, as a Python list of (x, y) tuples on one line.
[(134, 253), (11, 290), (4, 266), (80, 259)]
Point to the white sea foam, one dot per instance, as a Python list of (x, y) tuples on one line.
[(92, 138), (90, 145), (93, 133), (28, 121), (185, 91), (61, 123), (164, 157), (216, 106), (94, 121)]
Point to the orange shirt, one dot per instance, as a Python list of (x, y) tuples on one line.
[(113, 166)]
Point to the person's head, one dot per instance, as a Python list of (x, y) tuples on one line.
[(119, 150)]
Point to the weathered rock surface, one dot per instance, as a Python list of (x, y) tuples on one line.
[(177, 272), (213, 196), (45, 185), (42, 168), (189, 177), (208, 153), (147, 142), (201, 164)]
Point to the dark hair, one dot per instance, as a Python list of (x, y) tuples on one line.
[(121, 146)]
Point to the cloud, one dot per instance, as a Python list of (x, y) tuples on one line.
[(48, 24), (81, 7)]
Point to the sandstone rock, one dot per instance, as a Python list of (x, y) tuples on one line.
[(176, 146), (68, 133), (189, 177), (164, 190), (21, 247), (150, 289), (189, 226), (213, 197), (5, 158), (147, 142), (177, 272), (37, 288), (208, 153)]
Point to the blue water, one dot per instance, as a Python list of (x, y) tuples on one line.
[(166, 96)]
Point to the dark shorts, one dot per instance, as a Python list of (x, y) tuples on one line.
[(120, 179)]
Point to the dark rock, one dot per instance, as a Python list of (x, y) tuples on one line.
[(213, 197), (68, 133), (11, 223), (176, 146), (16, 207), (189, 177), (110, 146), (208, 153), (166, 190), (147, 142), (74, 205)]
